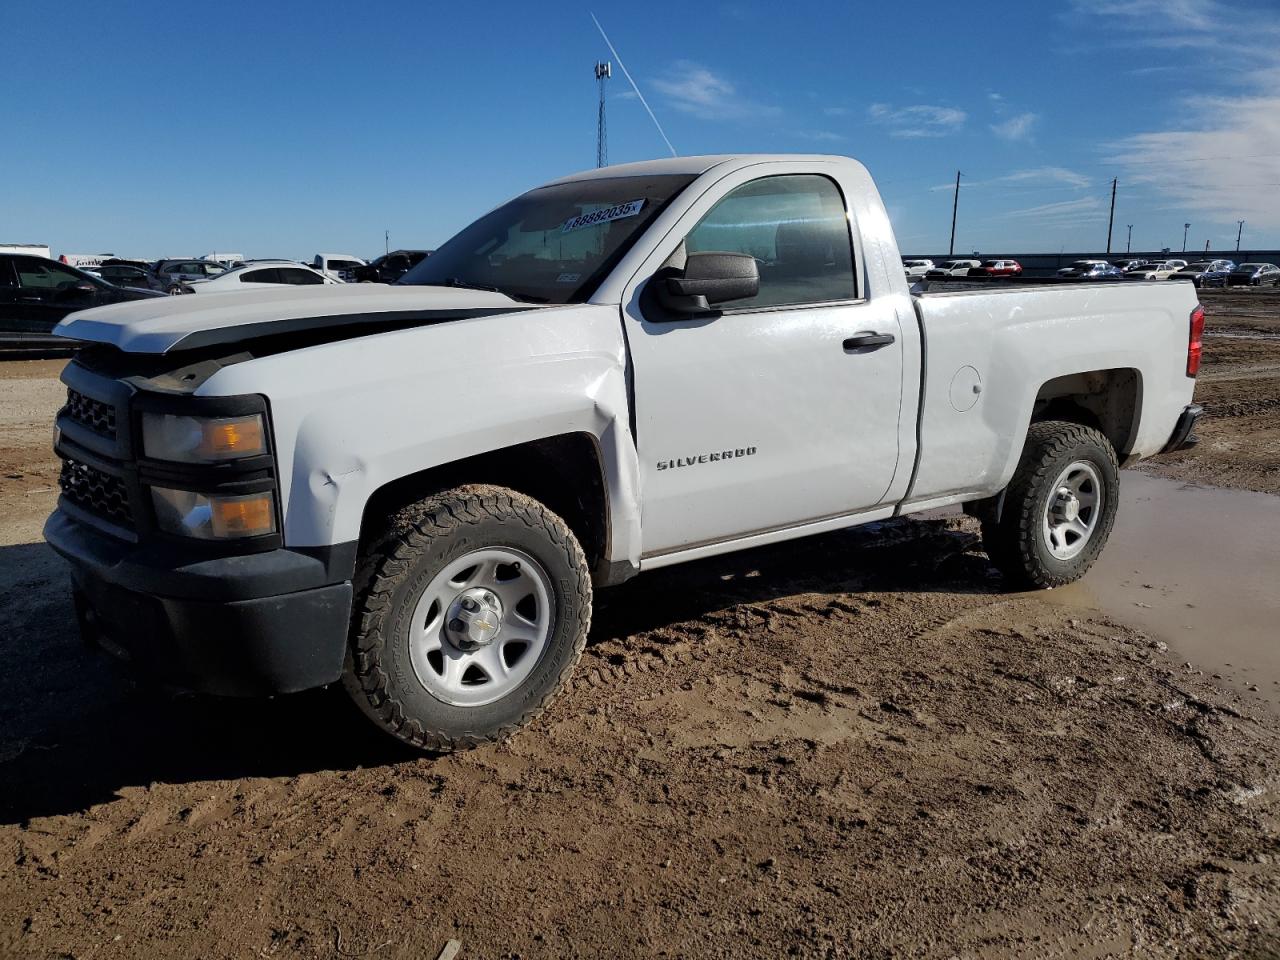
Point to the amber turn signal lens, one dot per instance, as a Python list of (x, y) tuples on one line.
[(241, 437), (243, 516)]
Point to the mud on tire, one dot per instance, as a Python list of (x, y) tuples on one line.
[(393, 576), (1017, 543)]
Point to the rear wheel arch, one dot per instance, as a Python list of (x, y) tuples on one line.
[(1109, 401)]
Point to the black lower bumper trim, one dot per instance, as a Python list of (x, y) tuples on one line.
[(249, 625), (239, 648), (1182, 437)]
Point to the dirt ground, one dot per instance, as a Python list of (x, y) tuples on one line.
[(856, 745), (1239, 386)]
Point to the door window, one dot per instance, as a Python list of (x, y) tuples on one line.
[(267, 275), (796, 228), (38, 275), (299, 277)]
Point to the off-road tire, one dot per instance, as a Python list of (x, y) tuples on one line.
[(392, 573), (1015, 543)]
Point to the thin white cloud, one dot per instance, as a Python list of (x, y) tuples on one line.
[(1226, 160), (1077, 210), (1017, 127), (918, 120), (694, 89), (1037, 176), (823, 136), (1220, 158)]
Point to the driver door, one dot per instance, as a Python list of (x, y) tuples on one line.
[(773, 412)]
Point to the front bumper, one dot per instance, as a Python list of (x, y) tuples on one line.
[(250, 625), (1182, 437)]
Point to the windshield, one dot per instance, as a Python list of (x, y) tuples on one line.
[(1251, 266), (554, 244), (1201, 266)]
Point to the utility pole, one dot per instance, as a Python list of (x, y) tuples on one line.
[(1239, 233), (955, 205), (1111, 221), (1206, 246), (1129, 242), (386, 241), (1185, 228), (604, 70)]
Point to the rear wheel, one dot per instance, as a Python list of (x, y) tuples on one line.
[(1059, 507), (471, 615)]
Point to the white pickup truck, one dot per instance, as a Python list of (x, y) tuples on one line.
[(414, 489)]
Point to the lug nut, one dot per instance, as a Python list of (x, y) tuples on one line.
[(457, 626), (469, 604)]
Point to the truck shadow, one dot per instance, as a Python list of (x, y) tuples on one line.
[(75, 728)]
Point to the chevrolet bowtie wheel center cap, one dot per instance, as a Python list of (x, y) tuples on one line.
[(475, 619)]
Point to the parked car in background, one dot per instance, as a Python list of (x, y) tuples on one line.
[(953, 268), (917, 268), (997, 268), (341, 266), (1254, 275), (258, 274), (1158, 270), (128, 275), (1124, 266), (36, 293), (1089, 269), (1206, 273), (173, 273), (390, 267)]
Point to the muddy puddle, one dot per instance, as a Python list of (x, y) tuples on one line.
[(1196, 567)]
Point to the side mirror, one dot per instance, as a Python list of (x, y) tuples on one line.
[(708, 279)]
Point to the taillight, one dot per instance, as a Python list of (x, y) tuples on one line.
[(1195, 342)]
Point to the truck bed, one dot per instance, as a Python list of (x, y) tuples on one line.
[(991, 353)]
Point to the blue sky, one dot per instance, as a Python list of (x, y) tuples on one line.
[(290, 128)]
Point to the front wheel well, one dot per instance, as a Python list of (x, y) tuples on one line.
[(564, 473)]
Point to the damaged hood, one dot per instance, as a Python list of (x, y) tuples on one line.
[(165, 324)]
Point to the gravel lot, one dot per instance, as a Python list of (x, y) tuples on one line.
[(856, 745)]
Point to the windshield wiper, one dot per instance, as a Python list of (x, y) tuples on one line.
[(463, 284)]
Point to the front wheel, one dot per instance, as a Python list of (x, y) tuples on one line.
[(1059, 507), (471, 614)]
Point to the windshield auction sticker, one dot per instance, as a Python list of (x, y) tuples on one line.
[(618, 211)]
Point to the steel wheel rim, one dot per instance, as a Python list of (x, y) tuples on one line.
[(1073, 509), (468, 667)]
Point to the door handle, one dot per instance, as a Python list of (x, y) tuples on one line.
[(868, 341)]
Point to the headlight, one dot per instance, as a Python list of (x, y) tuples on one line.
[(202, 439), (212, 516)]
